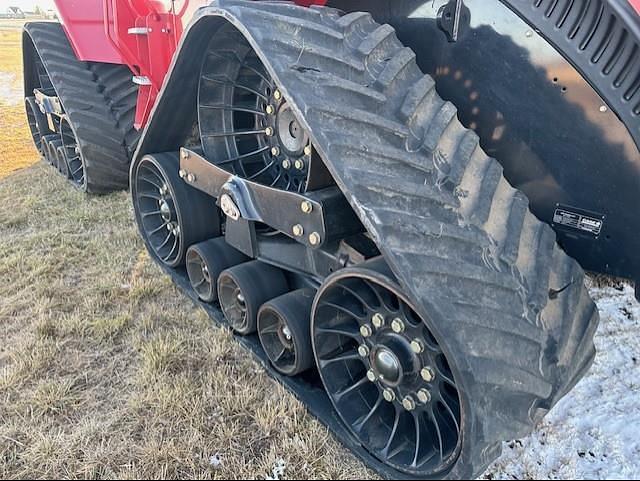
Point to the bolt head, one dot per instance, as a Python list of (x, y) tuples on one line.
[(306, 207), (308, 150), (417, 346), (371, 376), (427, 374), (363, 351), (366, 330), (286, 164), (299, 164), (275, 151), (182, 173), (270, 110), (314, 238), (298, 230), (277, 95), (389, 395), (397, 325), (191, 178), (185, 154), (378, 320), (409, 403), (424, 396)]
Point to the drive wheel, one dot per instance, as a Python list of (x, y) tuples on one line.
[(387, 376)]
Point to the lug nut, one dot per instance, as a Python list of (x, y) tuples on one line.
[(306, 207), (417, 346), (409, 403), (427, 374), (397, 325), (366, 330), (298, 230), (299, 164), (389, 395), (363, 350), (308, 150), (314, 238), (275, 151), (424, 396), (286, 164), (371, 376), (268, 131), (377, 320), (270, 110), (277, 95)]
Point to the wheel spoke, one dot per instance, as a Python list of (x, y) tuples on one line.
[(232, 108), (227, 82), (344, 357), (234, 133), (359, 423), (340, 331), (394, 430), (173, 248), (351, 388)]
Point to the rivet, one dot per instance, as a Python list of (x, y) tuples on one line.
[(306, 207), (378, 320), (314, 238), (424, 396), (366, 330), (603, 108), (397, 325), (371, 376), (363, 350), (427, 374), (409, 403), (389, 395), (417, 346), (298, 230)]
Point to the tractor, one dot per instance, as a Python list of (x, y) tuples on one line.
[(392, 203)]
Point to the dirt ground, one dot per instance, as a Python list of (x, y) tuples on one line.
[(106, 371)]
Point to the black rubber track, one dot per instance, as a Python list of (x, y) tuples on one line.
[(99, 100), (506, 303)]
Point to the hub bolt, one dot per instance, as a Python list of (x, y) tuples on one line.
[(270, 110), (409, 403), (366, 330), (308, 150), (424, 396), (427, 374), (277, 95), (275, 151), (286, 164), (397, 325), (306, 207), (298, 230), (268, 131), (363, 351), (371, 376), (314, 239), (417, 346), (377, 320), (299, 164), (389, 395)]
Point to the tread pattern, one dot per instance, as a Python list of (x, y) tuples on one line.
[(509, 305), (98, 99)]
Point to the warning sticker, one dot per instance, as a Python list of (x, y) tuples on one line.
[(587, 223)]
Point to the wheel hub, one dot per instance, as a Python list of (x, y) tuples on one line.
[(387, 366), (165, 210), (292, 137)]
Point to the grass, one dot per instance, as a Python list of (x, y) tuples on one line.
[(106, 370)]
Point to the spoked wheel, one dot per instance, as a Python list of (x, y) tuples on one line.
[(205, 262), (159, 196), (75, 162), (385, 373), (37, 122), (49, 155), (63, 165), (283, 327), (246, 125), (243, 289)]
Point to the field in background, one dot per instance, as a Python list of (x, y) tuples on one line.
[(106, 371)]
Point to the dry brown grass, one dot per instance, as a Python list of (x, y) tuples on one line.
[(106, 371)]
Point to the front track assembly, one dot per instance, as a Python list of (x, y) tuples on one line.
[(359, 241)]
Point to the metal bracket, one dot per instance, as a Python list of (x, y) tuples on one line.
[(451, 18), (301, 217), (49, 104)]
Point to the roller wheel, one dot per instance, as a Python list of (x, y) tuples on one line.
[(205, 262), (283, 327), (63, 165), (243, 289), (171, 215), (37, 123)]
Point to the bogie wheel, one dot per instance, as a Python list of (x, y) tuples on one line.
[(63, 165), (284, 330), (49, 156), (171, 215), (387, 376), (243, 289), (37, 122), (205, 262), (75, 161)]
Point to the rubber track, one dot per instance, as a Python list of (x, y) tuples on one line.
[(98, 99), (509, 304)]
